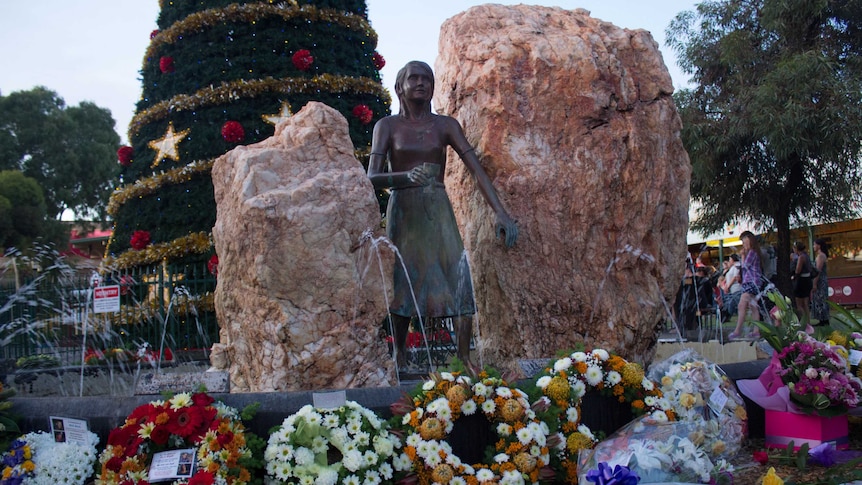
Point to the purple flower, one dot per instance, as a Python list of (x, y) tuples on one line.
[(620, 475), (823, 454)]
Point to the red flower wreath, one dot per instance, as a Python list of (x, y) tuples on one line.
[(232, 132), (303, 59), (166, 64), (212, 265), (182, 421), (378, 60), (364, 113), (140, 240), (125, 154)]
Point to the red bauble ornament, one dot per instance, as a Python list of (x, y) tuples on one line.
[(303, 59), (232, 132), (154, 33), (378, 60), (364, 113), (125, 154), (166, 64), (212, 265), (140, 240)]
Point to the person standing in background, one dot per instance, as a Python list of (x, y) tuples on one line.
[(820, 283), (801, 278)]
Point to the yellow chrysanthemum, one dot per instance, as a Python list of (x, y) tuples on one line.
[(687, 400), (578, 441), (633, 374), (558, 389), (457, 395), (838, 338)]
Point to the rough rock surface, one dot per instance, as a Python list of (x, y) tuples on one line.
[(573, 119), (300, 295)]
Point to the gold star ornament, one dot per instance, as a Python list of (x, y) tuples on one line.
[(166, 146), (277, 118)]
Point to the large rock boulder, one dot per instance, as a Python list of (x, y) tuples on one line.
[(573, 119), (300, 294)]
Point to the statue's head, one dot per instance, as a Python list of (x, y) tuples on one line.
[(402, 75)]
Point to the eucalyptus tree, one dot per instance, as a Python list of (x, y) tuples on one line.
[(773, 121)]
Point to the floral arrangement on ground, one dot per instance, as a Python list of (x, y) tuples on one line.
[(346, 445), (567, 380), (37, 459), (183, 421), (520, 453)]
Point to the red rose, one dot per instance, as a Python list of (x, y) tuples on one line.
[(232, 132), (202, 478), (364, 113), (761, 457), (302, 59), (115, 464), (140, 240), (125, 154), (212, 265), (378, 60), (224, 439), (153, 34), (166, 64)]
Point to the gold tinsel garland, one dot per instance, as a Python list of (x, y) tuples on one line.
[(229, 92), (150, 310), (195, 243), (150, 185), (253, 12)]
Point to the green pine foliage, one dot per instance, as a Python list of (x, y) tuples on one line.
[(213, 62)]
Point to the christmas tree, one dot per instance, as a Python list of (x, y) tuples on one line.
[(217, 74)]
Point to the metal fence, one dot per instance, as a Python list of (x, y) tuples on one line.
[(164, 306)]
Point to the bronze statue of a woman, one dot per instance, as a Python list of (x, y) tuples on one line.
[(420, 220)]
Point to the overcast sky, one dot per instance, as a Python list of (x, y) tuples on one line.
[(93, 49)]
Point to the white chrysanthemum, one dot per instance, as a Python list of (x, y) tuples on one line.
[(370, 458), (319, 444), (457, 481), (504, 429), (283, 471), (303, 456), (331, 421), (572, 415), (584, 430), (512, 477), (524, 435), (453, 460), (386, 471), (413, 440), (659, 416), (424, 449), (433, 460), (504, 392), (579, 389), (614, 377), (464, 380), (181, 400), (480, 389), (352, 460), (562, 364), (427, 385), (501, 458), (371, 478), (601, 354), (351, 480), (579, 357), (469, 407), (445, 412), (543, 382), (647, 384), (650, 401), (489, 406), (383, 445), (305, 478), (484, 475), (447, 376), (593, 375), (327, 476), (402, 462)]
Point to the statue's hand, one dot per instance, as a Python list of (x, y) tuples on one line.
[(420, 175), (507, 227)]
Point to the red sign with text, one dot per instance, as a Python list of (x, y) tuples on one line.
[(106, 299)]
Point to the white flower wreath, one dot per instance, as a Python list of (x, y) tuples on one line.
[(348, 445)]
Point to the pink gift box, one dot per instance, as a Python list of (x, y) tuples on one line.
[(783, 427)]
